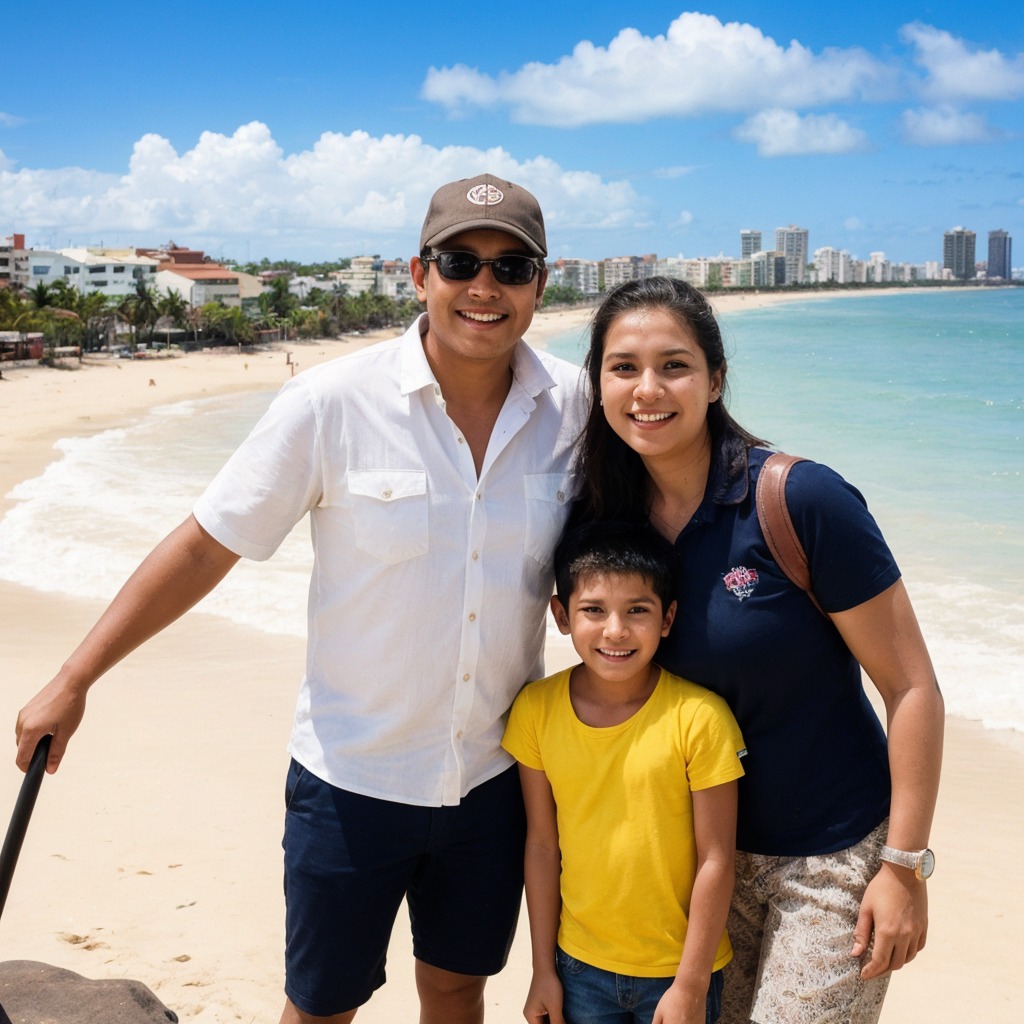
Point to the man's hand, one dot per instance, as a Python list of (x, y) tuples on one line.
[(57, 710)]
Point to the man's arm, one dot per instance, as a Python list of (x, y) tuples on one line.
[(181, 570), (714, 826), (885, 638), (543, 869)]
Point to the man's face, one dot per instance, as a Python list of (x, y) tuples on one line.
[(480, 319)]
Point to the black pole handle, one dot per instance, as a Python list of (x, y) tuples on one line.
[(19, 819)]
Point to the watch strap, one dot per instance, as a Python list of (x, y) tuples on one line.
[(904, 858)]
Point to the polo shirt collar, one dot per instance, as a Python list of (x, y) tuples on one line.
[(527, 369), (725, 486)]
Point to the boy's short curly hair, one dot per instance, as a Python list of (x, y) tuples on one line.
[(614, 549)]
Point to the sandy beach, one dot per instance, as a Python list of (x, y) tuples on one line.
[(154, 853)]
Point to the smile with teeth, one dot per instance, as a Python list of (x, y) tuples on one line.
[(615, 654), (651, 417), (484, 318)]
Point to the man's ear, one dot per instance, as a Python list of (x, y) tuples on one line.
[(418, 271), (542, 283), (561, 616)]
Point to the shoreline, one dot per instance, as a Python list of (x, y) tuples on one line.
[(155, 852)]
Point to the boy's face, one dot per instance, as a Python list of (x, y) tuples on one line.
[(616, 623)]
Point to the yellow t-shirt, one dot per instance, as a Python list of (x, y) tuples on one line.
[(625, 815)]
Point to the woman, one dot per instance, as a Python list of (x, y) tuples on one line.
[(822, 912)]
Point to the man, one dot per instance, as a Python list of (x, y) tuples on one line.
[(435, 469)]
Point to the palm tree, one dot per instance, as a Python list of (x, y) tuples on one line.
[(147, 306)]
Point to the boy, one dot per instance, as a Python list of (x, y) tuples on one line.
[(629, 777)]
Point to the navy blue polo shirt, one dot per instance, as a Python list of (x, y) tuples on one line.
[(817, 772)]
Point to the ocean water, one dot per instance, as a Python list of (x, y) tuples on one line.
[(916, 397)]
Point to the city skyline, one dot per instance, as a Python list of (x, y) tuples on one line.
[(252, 132)]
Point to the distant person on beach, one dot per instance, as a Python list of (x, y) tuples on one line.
[(833, 819), (436, 472), (629, 777)]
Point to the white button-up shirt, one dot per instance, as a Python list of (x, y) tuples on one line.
[(430, 583)]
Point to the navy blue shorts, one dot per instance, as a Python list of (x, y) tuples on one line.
[(349, 861)]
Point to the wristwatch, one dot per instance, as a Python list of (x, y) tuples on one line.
[(921, 862)]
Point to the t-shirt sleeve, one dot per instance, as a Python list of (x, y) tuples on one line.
[(849, 559), (270, 481), (715, 745), (520, 738)]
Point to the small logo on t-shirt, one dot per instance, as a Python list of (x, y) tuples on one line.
[(740, 581)]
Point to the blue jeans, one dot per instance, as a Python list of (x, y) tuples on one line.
[(593, 996)]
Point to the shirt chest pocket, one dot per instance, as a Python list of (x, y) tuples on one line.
[(547, 505), (389, 512)]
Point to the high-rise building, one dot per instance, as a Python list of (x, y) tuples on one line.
[(1000, 258), (792, 243), (833, 265), (958, 253), (750, 242)]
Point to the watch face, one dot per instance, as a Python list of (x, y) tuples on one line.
[(927, 864)]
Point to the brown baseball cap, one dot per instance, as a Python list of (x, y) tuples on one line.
[(484, 202)]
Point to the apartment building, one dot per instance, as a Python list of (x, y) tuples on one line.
[(792, 243), (1000, 255), (582, 275), (958, 253)]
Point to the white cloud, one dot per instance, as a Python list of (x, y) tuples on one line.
[(853, 224), (956, 72), (10, 120), (685, 219), (671, 173), (785, 133), (699, 66), (344, 192), (945, 126)]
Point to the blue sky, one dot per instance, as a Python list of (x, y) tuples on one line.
[(320, 130)]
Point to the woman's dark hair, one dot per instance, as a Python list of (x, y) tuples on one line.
[(615, 480)]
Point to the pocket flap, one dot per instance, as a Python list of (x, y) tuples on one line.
[(387, 484)]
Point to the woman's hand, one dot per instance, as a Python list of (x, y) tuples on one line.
[(893, 923)]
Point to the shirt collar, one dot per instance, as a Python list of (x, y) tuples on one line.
[(728, 479), (527, 369)]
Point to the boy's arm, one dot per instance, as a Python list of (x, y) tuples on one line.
[(714, 825), (542, 869)]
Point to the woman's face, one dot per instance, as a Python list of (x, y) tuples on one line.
[(655, 385)]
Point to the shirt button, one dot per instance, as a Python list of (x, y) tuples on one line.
[(476, 555), (465, 677), (458, 735), (385, 494), (472, 616), (461, 440), (560, 495)]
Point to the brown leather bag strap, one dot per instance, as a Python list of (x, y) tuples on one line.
[(777, 524)]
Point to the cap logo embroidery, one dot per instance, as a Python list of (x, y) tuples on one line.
[(740, 582), (485, 195)]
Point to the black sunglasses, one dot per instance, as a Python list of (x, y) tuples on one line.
[(464, 266)]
